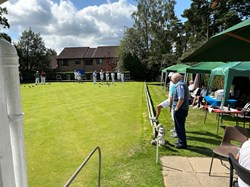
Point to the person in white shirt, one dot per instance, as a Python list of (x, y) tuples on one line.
[(118, 76), (94, 77), (107, 76), (101, 75), (113, 77), (79, 76), (244, 160), (191, 86), (122, 76), (199, 97), (75, 74)]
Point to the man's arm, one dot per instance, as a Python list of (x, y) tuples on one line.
[(179, 103)]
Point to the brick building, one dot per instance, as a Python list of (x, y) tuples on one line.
[(87, 59)]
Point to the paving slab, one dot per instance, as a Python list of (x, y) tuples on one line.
[(202, 165), (193, 171), (169, 164)]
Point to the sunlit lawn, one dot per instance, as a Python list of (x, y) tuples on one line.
[(201, 138), (64, 122)]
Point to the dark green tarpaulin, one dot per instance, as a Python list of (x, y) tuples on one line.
[(175, 68), (233, 44), (202, 67), (229, 71)]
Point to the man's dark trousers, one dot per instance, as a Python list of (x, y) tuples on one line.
[(179, 120)]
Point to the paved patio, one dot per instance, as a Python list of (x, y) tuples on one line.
[(193, 171)]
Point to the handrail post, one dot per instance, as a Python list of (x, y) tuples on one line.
[(84, 163)]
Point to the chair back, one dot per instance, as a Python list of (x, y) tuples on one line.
[(242, 172), (246, 108), (237, 134)]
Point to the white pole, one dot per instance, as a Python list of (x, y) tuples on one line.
[(157, 150), (11, 81), (165, 81), (161, 77), (7, 176)]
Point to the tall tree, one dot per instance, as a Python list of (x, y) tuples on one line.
[(32, 51), (151, 38), (154, 24), (51, 52), (206, 18)]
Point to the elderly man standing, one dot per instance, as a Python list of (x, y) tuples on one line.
[(180, 107)]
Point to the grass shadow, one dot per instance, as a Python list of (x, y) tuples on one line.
[(206, 133), (201, 150), (205, 140), (170, 147), (154, 84)]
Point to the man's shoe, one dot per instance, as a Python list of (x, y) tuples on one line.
[(153, 119), (174, 135), (181, 146), (172, 130), (176, 142)]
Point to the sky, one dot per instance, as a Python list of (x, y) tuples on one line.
[(74, 23)]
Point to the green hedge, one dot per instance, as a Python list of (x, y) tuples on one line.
[(51, 76)]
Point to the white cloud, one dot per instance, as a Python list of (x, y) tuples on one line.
[(62, 25)]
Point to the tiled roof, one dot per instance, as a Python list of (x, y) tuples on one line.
[(105, 51), (73, 52), (90, 53)]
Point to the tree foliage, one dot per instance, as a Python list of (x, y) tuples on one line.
[(32, 51), (205, 20), (4, 21), (6, 37), (152, 35), (136, 68), (158, 39)]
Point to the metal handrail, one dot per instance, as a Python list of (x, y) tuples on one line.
[(151, 114), (83, 164), (150, 108)]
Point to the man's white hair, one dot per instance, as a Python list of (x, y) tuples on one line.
[(176, 76)]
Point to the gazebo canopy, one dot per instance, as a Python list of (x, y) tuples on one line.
[(229, 71), (203, 67), (233, 44), (175, 68)]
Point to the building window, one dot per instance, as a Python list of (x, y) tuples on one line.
[(77, 62), (112, 60), (99, 61), (64, 63), (88, 61)]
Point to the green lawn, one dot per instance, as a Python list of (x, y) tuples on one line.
[(201, 138), (64, 122)]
